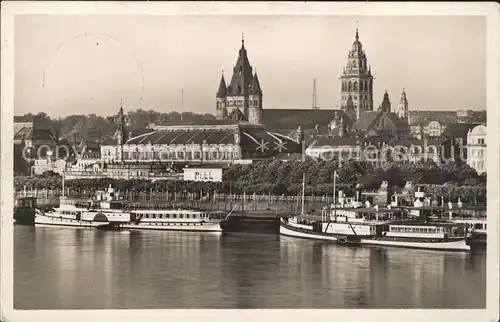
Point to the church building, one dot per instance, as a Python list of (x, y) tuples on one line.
[(242, 99), (356, 82)]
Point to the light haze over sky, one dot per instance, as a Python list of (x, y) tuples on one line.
[(85, 64)]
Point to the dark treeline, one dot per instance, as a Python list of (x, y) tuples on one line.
[(452, 180), (92, 128)]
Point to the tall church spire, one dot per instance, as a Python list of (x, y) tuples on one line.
[(255, 88), (222, 91), (243, 51), (357, 80), (121, 134), (255, 100), (386, 103), (402, 109)]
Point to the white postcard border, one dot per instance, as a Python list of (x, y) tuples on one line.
[(9, 9)]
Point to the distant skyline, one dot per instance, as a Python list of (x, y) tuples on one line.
[(86, 66)]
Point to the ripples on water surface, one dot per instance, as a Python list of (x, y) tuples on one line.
[(64, 268)]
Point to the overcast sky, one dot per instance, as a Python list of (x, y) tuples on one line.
[(84, 64)]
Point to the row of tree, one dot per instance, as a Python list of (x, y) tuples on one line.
[(452, 181), (87, 187), (91, 128), (353, 172)]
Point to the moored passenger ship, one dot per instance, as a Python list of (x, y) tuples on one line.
[(359, 226), (104, 211), (110, 213), (421, 234), (348, 226), (378, 227), (176, 219)]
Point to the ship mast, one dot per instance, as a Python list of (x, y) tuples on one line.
[(335, 195), (62, 185), (303, 191)]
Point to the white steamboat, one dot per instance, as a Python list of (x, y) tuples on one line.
[(103, 211), (379, 227)]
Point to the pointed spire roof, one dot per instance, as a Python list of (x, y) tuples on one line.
[(357, 48), (120, 133), (403, 95), (242, 74), (386, 103), (222, 92), (243, 51), (120, 117), (255, 88)]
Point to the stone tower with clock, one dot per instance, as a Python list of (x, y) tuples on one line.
[(356, 82)]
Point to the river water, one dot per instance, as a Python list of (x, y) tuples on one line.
[(66, 268)]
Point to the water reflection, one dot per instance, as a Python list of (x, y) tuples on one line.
[(59, 268)]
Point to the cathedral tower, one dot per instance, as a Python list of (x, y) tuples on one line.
[(402, 110), (121, 134), (235, 102), (386, 104), (221, 97), (356, 82), (121, 130)]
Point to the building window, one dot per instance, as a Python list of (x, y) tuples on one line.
[(197, 155), (480, 141)]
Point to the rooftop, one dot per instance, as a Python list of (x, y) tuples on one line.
[(281, 119), (332, 141), (424, 117), (458, 130), (24, 118), (251, 138), (29, 133)]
